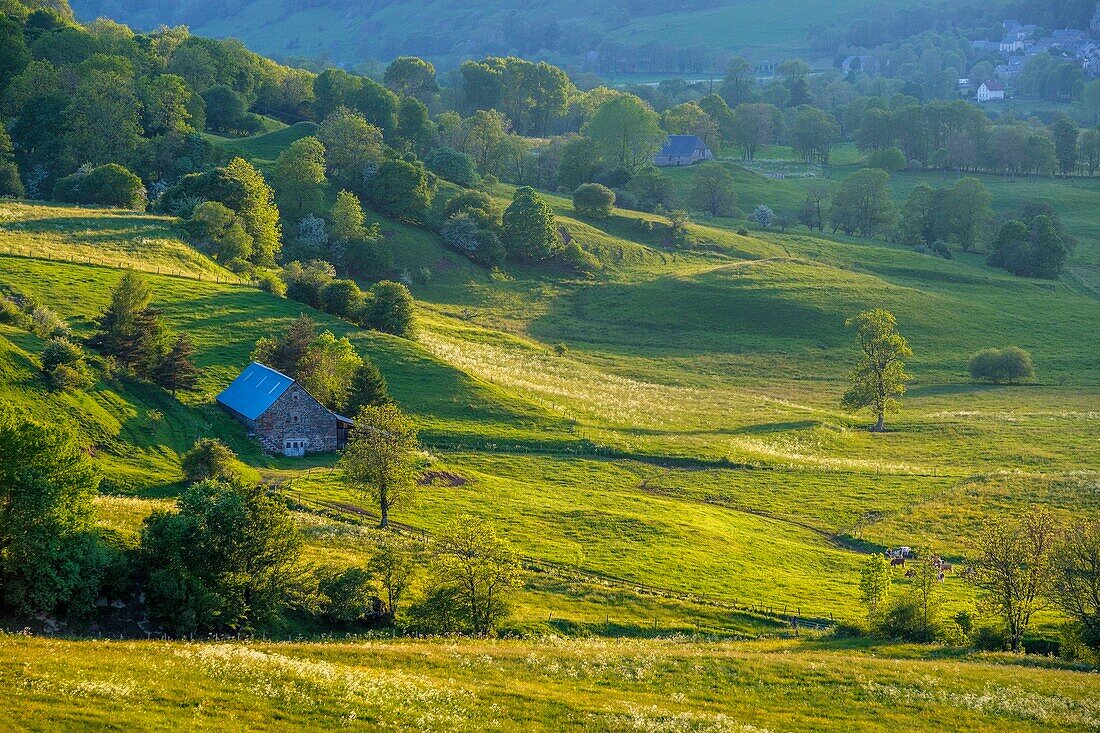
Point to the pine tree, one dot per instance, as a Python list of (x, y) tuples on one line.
[(368, 388), (129, 329), (176, 370)]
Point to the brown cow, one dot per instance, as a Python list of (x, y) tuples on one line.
[(897, 561)]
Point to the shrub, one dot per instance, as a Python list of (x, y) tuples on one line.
[(194, 559), (209, 458), (13, 315), (904, 621), (463, 232), (52, 559), (46, 323), (452, 165), (942, 249), (270, 282), (347, 596), (389, 309), (989, 638), (304, 282), (106, 185), (577, 259), (63, 363), (342, 298), (69, 377), (888, 159), (593, 199), (1010, 365), (764, 216)]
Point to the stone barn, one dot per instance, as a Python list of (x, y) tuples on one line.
[(282, 415), (682, 150)]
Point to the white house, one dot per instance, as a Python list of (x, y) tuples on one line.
[(990, 90)]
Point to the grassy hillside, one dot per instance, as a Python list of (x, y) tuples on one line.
[(544, 685), (690, 409)]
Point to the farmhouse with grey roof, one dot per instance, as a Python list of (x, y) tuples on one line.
[(682, 150), (281, 414)]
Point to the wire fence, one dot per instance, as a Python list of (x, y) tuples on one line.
[(120, 263)]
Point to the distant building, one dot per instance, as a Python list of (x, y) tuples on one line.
[(1017, 35), (991, 46), (990, 90), (1095, 25), (682, 150), (282, 415)]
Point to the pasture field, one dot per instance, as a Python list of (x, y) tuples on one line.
[(547, 684), (1075, 199), (661, 441), (263, 149), (684, 435)]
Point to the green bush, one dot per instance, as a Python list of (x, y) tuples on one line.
[(270, 282), (342, 298), (594, 200), (1010, 365), (106, 185), (452, 165), (904, 621), (52, 560), (888, 159), (347, 596), (194, 559), (208, 459), (578, 259), (389, 309)]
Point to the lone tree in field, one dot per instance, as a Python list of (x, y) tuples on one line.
[(1013, 567), (879, 377), (380, 457), (481, 567), (874, 586)]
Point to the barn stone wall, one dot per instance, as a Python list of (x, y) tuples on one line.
[(297, 416)]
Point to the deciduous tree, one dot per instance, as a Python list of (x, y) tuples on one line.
[(380, 457), (300, 178), (879, 376), (626, 131), (1012, 566)]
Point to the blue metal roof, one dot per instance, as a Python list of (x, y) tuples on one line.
[(677, 145), (255, 390)]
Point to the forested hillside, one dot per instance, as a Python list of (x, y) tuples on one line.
[(691, 37)]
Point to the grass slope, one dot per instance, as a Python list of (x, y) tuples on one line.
[(544, 685), (687, 436)]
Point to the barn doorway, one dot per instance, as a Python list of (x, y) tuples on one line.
[(294, 447)]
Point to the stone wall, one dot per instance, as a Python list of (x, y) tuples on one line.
[(296, 416)]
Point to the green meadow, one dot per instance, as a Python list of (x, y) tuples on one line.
[(551, 684), (670, 423), (661, 441)]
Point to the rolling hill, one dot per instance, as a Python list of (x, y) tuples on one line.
[(447, 33)]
